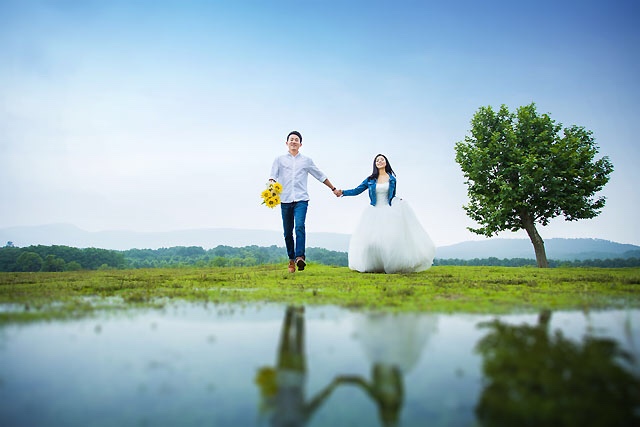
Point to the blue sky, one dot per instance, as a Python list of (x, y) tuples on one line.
[(166, 115)]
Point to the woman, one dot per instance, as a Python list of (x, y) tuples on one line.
[(389, 237), (393, 344)]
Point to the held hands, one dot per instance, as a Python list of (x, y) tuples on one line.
[(337, 192)]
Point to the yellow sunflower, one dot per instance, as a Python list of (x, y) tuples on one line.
[(271, 202), (271, 195), (266, 380)]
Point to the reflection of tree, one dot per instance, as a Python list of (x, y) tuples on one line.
[(535, 378), (283, 388), (393, 344)]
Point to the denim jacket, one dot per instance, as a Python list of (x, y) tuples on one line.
[(370, 183)]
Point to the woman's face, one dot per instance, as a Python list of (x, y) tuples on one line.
[(381, 162)]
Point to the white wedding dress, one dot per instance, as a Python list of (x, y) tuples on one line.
[(393, 339), (390, 238)]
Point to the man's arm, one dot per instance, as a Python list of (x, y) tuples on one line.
[(275, 168), (332, 187), (320, 176)]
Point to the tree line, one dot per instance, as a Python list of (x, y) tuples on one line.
[(224, 256), (65, 258), (530, 262), (58, 258)]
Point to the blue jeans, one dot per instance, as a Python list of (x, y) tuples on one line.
[(294, 215)]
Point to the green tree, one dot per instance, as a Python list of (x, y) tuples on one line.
[(53, 263), (523, 169), (8, 257), (72, 266), (29, 261)]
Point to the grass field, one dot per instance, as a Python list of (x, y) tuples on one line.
[(444, 289)]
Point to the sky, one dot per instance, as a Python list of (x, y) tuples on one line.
[(167, 115)]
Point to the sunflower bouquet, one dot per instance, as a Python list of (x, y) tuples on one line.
[(271, 196)]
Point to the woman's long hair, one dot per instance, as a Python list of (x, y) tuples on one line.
[(387, 168)]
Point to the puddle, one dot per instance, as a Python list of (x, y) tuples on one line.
[(272, 365)]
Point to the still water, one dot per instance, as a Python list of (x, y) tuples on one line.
[(273, 365)]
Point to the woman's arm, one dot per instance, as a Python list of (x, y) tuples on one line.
[(355, 191)]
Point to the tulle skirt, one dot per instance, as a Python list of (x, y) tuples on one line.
[(392, 339), (390, 239)]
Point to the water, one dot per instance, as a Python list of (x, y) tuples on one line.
[(271, 365)]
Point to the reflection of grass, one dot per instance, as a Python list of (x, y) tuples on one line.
[(27, 296)]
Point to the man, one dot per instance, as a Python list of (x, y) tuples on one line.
[(283, 388), (292, 170)]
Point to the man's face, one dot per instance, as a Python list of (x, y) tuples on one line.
[(294, 142)]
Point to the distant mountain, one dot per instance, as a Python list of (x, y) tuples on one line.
[(557, 249), (69, 235)]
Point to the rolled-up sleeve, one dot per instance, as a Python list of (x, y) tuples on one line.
[(315, 172), (275, 169)]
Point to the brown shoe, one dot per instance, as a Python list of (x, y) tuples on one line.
[(301, 263), (292, 266)]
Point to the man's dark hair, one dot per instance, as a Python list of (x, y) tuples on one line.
[(295, 132)]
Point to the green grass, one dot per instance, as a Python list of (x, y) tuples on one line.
[(444, 289)]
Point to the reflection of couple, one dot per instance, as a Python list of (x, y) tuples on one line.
[(389, 238), (283, 389), (392, 343)]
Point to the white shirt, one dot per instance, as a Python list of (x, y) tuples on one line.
[(292, 172)]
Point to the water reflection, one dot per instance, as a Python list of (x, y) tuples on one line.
[(282, 389), (392, 344), (535, 376), (190, 365)]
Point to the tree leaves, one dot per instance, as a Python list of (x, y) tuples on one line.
[(522, 167)]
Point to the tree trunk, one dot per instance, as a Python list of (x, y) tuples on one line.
[(536, 240)]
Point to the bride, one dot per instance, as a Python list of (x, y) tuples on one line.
[(389, 237)]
